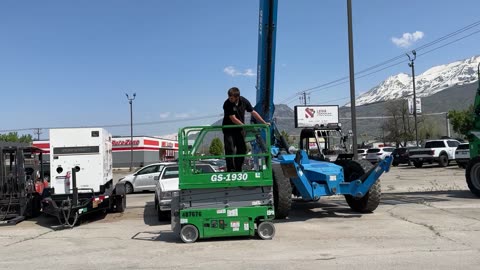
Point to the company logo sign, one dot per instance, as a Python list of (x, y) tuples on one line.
[(125, 142)]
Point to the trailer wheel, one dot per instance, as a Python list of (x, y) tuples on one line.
[(354, 170), (189, 234), (282, 192), (120, 204), (443, 160), (266, 230), (472, 174)]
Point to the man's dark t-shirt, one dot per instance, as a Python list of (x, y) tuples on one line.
[(230, 108)]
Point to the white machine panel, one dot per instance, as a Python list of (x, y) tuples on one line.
[(87, 149)]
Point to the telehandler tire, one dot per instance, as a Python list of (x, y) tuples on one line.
[(282, 192), (354, 170), (472, 173)]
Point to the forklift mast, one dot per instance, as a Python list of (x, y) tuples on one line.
[(266, 61)]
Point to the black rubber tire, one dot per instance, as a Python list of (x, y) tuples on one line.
[(472, 174), (354, 170), (418, 164), (189, 234), (120, 204), (162, 215), (34, 206), (443, 160), (394, 164), (282, 192), (266, 230), (128, 188)]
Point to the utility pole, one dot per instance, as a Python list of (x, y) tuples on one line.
[(37, 132), (412, 65), (303, 98), (130, 100), (352, 79)]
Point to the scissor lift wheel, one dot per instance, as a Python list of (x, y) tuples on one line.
[(266, 230), (189, 234)]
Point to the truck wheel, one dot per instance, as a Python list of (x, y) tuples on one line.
[(162, 215), (266, 230), (120, 204), (282, 192), (418, 164), (189, 234), (443, 160), (354, 170), (472, 174)]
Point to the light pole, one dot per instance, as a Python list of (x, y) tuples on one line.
[(352, 79), (412, 65), (130, 100)]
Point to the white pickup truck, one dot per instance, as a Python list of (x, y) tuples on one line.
[(440, 151)]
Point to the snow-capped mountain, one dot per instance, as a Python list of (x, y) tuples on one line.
[(428, 83)]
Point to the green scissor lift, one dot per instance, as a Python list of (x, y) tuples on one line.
[(223, 204)]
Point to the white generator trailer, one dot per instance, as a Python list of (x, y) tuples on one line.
[(81, 179)]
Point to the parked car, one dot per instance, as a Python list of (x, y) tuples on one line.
[(220, 165), (374, 155), (462, 155), (441, 151), (167, 184), (144, 178), (401, 156), (362, 153)]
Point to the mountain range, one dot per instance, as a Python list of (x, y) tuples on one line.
[(442, 88), (432, 81)]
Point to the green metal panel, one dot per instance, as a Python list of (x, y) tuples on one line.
[(226, 221), (474, 136), (189, 156)]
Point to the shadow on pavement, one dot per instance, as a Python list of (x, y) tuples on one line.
[(164, 236)]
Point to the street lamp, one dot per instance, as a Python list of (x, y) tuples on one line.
[(130, 100), (353, 113), (412, 65)]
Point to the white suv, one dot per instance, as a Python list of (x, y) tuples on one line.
[(374, 155), (462, 155), (362, 153)]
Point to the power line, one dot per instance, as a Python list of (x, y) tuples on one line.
[(342, 79), (124, 125)]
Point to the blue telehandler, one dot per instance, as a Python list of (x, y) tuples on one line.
[(299, 174)]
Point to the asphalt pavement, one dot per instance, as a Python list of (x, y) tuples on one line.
[(428, 219)]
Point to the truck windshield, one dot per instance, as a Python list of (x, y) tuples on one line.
[(435, 144), (463, 146)]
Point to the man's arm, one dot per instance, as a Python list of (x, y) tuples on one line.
[(258, 117), (235, 120)]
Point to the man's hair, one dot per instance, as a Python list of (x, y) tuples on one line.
[(234, 91)]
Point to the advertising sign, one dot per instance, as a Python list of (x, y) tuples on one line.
[(410, 106), (310, 116)]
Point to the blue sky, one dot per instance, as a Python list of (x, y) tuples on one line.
[(70, 63)]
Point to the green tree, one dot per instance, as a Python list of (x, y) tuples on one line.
[(216, 147), (287, 137), (13, 137), (462, 121)]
